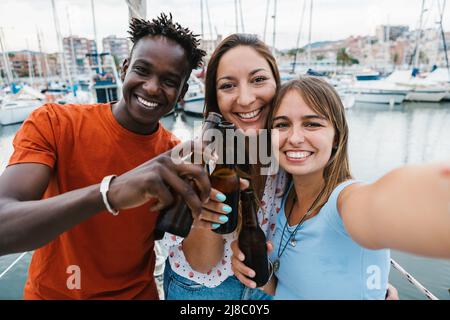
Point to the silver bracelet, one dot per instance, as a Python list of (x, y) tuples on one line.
[(104, 188)]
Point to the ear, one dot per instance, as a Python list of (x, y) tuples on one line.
[(183, 91), (123, 70)]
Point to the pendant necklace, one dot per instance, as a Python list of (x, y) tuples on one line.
[(291, 240)]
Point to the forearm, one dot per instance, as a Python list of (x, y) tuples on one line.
[(203, 249), (408, 210), (27, 225)]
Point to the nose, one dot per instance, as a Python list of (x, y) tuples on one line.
[(246, 96), (151, 86), (296, 136)]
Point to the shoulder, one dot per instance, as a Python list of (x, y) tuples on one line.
[(346, 192), (67, 111)]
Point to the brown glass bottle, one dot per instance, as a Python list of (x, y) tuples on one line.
[(177, 219), (252, 240), (225, 177)]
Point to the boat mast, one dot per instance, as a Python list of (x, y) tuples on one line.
[(9, 76), (242, 16), (97, 46), (274, 26), (30, 65), (60, 48), (310, 33), (418, 36), (236, 21), (441, 15), (39, 58), (72, 49), (265, 20), (299, 35)]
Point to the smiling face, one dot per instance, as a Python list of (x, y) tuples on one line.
[(245, 87), (305, 141), (153, 81)]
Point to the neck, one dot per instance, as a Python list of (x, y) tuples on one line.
[(308, 187), (122, 116)]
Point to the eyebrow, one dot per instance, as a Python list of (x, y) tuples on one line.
[(307, 117), (251, 73), (148, 64)]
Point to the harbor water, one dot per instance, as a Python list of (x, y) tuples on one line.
[(381, 139)]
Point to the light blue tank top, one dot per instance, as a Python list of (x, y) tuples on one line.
[(326, 263)]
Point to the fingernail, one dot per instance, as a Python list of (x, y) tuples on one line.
[(215, 225), (251, 274), (226, 208), (221, 197), (223, 218), (253, 285), (241, 257)]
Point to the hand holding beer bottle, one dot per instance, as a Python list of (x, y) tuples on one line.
[(177, 219), (224, 177)]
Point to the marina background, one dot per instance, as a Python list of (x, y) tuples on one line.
[(381, 139), (387, 59)]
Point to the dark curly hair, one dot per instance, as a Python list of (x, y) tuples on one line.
[(164, 26)]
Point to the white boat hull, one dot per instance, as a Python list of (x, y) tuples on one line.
[(426, 96), (379, 97), (17, 111)]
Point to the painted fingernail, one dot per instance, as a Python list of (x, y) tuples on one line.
[(221, 197), (223, 218), (215, 225), (226, 208)]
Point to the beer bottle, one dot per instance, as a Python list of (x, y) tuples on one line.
[(225, 177), (177, 219), (252, 240)]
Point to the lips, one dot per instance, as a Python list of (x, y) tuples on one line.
[(249, 116), (298, 155), (147, 104)]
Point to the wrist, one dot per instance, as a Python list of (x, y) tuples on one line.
[(104, 190)]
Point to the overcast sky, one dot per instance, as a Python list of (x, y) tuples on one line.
[(332, 19)]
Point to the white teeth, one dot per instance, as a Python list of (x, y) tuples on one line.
[(148, 104), (249, 115), (298, 154)]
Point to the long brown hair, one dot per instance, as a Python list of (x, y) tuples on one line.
[(211, 105), (230, 42), (320, 96)]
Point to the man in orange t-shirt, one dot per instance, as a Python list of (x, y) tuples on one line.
[(51, 198)]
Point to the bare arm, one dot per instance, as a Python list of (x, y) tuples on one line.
[(26, 222), (407, 209)]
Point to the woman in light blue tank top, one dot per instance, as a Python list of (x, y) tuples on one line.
[(332, 232)]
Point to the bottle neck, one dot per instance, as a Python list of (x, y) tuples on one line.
[(249, 211)]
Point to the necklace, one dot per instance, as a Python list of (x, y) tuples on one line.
[(291, 240)]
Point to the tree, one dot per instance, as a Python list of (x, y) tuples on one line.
[(344, 59)]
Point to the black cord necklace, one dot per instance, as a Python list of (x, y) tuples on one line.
[(291, 239)]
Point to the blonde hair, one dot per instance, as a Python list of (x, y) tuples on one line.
[(321, 97)]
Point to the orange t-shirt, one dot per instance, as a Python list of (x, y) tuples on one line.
[(105, 257)]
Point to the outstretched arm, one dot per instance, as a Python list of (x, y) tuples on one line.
[(27, 222), (408, 209)]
